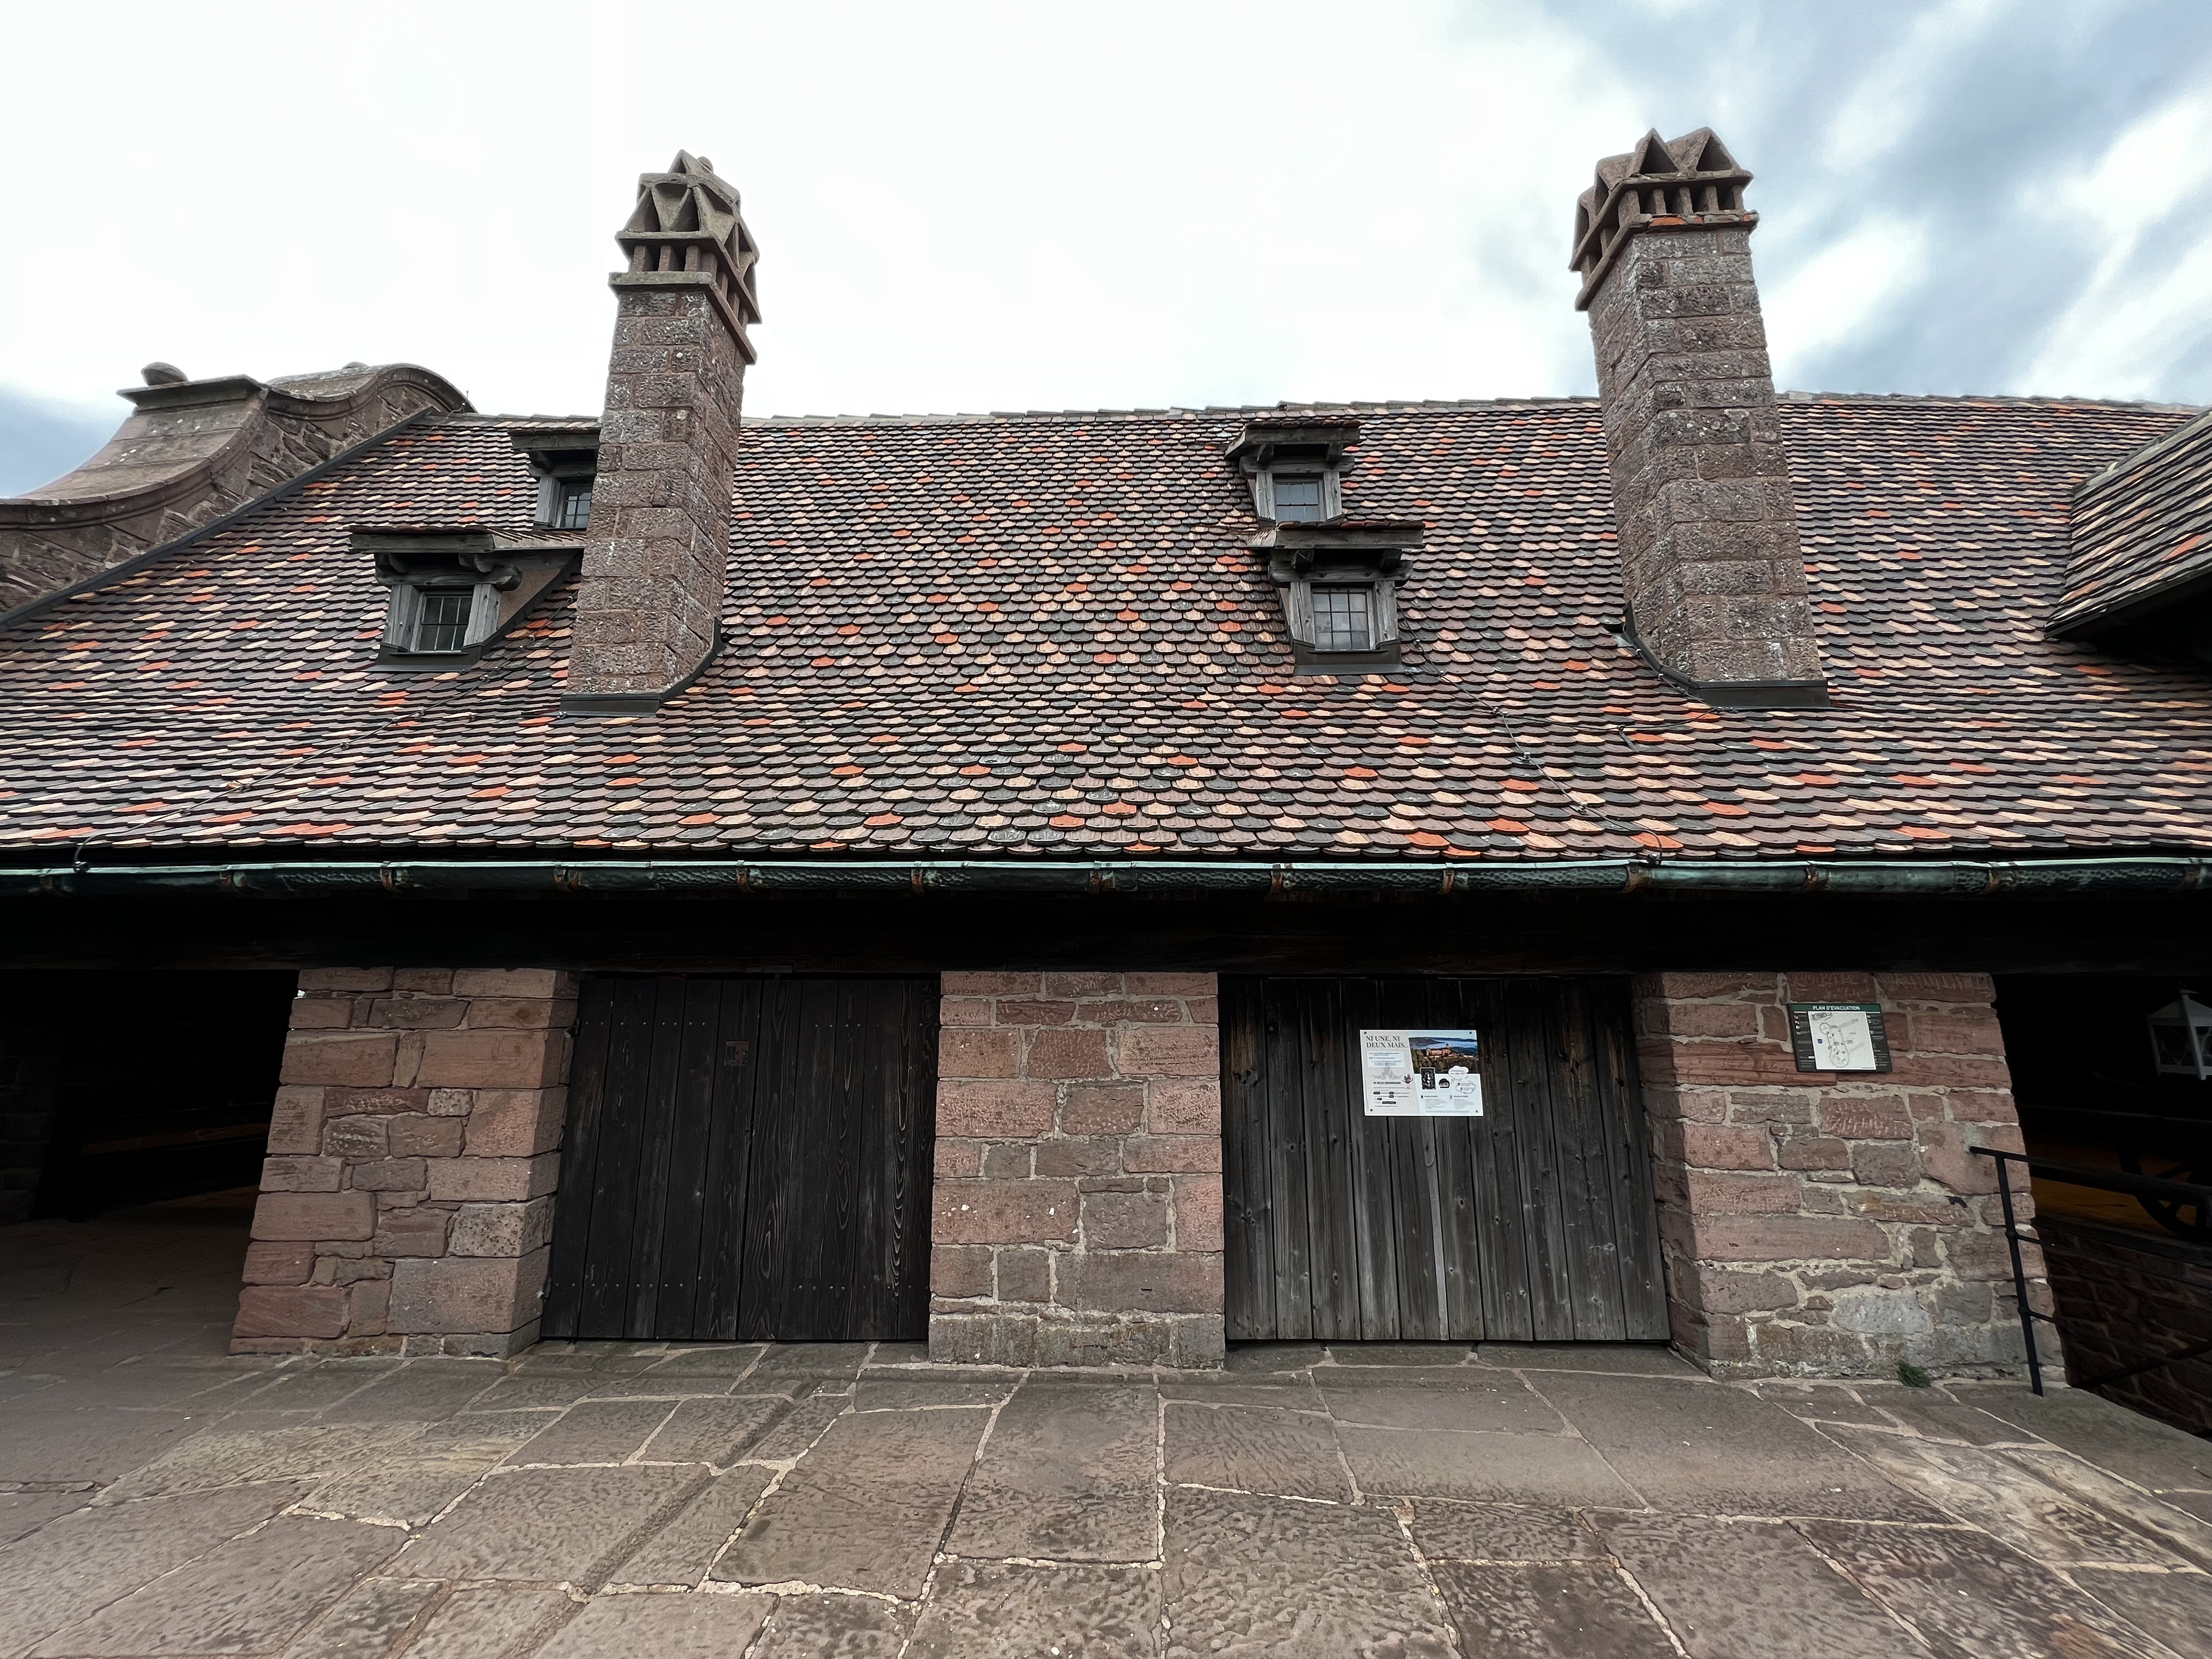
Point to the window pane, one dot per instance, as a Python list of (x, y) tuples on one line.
[(1297, 498), (572, 509), (443, 624), (1340, 619)]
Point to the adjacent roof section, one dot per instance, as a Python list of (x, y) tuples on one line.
[(2141, 539), (1048, 637), (191, 450)]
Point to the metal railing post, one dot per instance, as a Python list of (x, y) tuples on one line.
[(2019, 1266)]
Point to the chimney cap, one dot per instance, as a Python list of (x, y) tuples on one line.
[(1689, 183), (687, 230)]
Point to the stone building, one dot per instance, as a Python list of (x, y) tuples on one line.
[(1091, 887)]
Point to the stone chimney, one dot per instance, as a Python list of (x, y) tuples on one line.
[(658, 545), (1714, 580)]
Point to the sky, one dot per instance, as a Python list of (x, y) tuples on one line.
[(973, 206)]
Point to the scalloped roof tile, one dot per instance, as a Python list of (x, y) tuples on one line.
[(1043, 636)]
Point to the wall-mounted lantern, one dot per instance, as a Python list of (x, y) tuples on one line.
[(2181, 1038)]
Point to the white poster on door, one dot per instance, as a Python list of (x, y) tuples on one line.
[(1421, 1073)]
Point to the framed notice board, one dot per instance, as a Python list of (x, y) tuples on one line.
[(1838, 1037)]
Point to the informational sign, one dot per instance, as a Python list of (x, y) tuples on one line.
[(1838, 1037), (1421, 1073)]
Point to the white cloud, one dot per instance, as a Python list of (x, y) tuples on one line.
[(959, 206), (1833, 295), (2119, 335)]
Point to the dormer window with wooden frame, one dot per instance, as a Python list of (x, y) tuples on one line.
[(1295, 465), (452, 593), (566, 461), (1338, 585)]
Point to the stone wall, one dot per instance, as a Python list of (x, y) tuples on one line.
[(406, 1204), (1818, 1224), (2125, 1297), (1077, 1214)]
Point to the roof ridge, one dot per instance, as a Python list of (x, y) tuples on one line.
[(1174, 411), (1384, 405), (2040, 400)]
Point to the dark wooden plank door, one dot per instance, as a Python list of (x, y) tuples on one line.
[(1535, 1222), (747, 1159)]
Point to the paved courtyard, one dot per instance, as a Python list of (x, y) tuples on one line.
[(160, 1497)]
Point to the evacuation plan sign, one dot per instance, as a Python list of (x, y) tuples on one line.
[(1421, 1073), (1838, 1037)]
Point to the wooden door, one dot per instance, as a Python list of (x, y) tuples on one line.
[(1535, 1222), (747, 1160)]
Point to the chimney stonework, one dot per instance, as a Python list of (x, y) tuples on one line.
[(658, 543), (1710, 556)]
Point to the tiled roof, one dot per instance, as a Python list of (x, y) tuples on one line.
[(1044, 636), (2142, 533)]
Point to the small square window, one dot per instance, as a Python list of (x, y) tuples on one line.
[(442, 622), (1297, 496), (572, 504), (1342, 620)]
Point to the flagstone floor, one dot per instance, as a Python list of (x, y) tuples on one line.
[(158, 1498)]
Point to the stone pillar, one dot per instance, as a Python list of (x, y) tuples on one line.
[(407, 1201), (1819, 1223), (1077, 1214)]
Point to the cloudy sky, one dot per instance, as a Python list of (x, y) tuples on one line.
[(1027, 206)]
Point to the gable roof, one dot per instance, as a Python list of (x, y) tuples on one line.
[(1044, 636), (2142, 534)]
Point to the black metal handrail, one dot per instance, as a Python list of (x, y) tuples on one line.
[(2082, 1174)]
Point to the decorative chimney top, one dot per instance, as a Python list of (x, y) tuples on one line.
[(687, 232), (1674, 184)]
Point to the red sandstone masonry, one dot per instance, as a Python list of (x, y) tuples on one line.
[(406, 1201), (1077, 1202), (1818, 1223)]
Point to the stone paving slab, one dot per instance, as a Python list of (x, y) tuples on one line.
[(1446, 1531), (1969, 1595), (866, 1509), (1581, 1608), (1269, 1574), (253, 1594), (549, 1526), (1071, 1472), (370, 1621), (490, 1622), (662, 1627), (1259, 1449), (683, 1551), (1692, 1448), (1406, 1501), (1482, 1468), (990, 1609), (1696, 1571), (69, 1568)]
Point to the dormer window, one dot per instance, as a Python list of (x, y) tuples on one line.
[(452, 592), (566, 459), (1296, 465), (1343, 618), (1338, 582), (571, 503), (442, 616), (1299, 496)]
